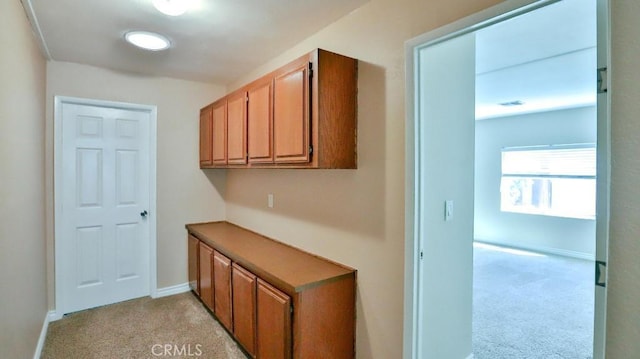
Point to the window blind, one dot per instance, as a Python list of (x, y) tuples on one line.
[(570, 161)]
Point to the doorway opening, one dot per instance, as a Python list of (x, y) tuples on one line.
[(504, 136)]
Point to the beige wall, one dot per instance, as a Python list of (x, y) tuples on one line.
[(23, 303), (354, 216), (623, 308), (184, 192)]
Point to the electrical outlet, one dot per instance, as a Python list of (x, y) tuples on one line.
[(270, 200)]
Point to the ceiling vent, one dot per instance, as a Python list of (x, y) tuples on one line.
[(512, 103)]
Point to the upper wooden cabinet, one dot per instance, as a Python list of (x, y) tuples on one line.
[(260, 120), (219, 139), (302, 115), (237, 128), (206, 137), (291, 113)]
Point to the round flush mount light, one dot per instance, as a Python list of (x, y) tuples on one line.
[(171, 7), (147, 40)]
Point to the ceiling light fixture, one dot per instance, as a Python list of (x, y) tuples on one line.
[(171, 7), (147, 40)]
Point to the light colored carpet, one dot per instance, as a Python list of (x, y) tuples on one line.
[(177, 326), (529, 306)]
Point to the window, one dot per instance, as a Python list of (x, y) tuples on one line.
[(554, 180)]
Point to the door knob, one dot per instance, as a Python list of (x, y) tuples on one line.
[(144, 213)]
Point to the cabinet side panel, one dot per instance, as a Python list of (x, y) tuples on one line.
[(324, 321), (337, 97)]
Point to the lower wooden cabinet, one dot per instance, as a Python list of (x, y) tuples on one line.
[(277, 301), (273, 322), (194, 243), (244, 307), (222, 289), (205, 270)]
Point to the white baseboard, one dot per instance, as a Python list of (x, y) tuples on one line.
[(174, 289), (542, 249), (53, 316), (43, 335)]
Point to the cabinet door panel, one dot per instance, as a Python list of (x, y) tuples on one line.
[(206, 137), (273, 322), (194, 243), (206, 275), (260, 120), (291, 115), (222, 289), (244, 308), (219, 120), (237, 128)]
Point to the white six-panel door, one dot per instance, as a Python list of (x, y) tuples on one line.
[(102, 247)]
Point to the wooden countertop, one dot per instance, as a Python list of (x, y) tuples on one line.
[(286, 267)]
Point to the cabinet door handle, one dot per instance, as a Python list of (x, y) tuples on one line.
[(144, 213)]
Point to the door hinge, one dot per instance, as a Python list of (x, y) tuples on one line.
[(291, 309), (421, 255), (601, 273), (603, 80), (310, 149), (310, 69)]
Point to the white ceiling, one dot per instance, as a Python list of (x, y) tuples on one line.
[(546, 59), (216, 41)]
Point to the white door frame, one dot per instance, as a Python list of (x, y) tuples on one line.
[(57, 176), (413, 190)]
